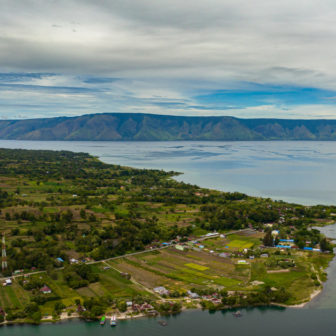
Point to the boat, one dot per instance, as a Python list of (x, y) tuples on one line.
[(103, 320), (237, 314), (113, 321)]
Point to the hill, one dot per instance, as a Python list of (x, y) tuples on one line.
[(150, 127)]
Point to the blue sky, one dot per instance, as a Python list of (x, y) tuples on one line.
[(248, 59)]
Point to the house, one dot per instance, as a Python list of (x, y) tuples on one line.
[(129, 304), (179, 247), (146, 306), (251, 257), (73, 261), (161, 290), (80, 309), (224, 255), (265, 255), (241, 261), (2, 312), (8, 282), (33, 269), (206, 297), (192, 295), (216, 301), (59, 259), (45, 290), (222, 236)]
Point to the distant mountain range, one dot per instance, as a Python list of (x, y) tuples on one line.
[(150, 127)]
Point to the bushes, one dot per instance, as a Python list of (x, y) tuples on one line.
[(78, 276), (121, 305)]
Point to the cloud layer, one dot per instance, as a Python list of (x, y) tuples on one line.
[(243, 58)]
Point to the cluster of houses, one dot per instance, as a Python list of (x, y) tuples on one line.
[(201, 194), (215, 298), (140, 307), (156, 243)]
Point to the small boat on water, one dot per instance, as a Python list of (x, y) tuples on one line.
[(237, 314), (162, 322), (103, 320), (113, 321)]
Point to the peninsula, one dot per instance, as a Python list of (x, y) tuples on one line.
[(89, 239)]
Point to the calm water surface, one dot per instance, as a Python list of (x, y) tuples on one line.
[(294, 171), (301, 172)]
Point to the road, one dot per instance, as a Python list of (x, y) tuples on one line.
[(123, 256)]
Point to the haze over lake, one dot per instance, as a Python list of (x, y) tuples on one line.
[(293, 171)]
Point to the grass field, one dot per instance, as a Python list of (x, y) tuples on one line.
[(197, 267), (12, 297), (236, 243), (246, 246)]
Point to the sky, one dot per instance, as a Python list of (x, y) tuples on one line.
[(241, 58)]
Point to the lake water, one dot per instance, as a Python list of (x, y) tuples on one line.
[(294, 171)]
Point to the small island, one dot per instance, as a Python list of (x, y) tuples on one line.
[(85, 239)]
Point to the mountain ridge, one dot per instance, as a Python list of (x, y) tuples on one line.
[(152, 127)]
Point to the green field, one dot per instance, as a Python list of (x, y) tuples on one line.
[(197, 267)]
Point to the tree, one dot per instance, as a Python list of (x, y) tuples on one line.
[(323, 244), (176, 307), (8, 216), (77, 301), (1, 318), (92, 218), (97, 310), (31, 308), (268, 239), (165, 306), (276, 241), (122, 306), (37, 317), (83, 214)]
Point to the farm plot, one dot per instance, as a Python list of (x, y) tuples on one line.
[(197, 267)]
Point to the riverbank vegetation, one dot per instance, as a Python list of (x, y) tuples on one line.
[(65, 213)]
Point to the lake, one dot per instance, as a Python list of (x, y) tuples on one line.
[(293, 171), (301, 172)]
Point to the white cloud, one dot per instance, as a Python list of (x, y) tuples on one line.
[(167, 48)]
